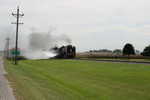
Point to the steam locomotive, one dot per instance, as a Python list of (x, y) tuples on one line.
[(63, 52)]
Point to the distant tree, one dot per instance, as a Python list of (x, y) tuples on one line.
[(91, 51), (128, 50), (117, 51), (146, 51)]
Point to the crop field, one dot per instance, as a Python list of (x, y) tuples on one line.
[(78, 80), (108, 55)]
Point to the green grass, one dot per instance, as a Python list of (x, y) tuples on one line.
[(78, 80), (119, 59)]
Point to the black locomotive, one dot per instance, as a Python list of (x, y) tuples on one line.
[(68, 51)]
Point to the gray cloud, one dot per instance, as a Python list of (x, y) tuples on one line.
[(92, 20)]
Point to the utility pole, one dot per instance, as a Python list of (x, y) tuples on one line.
[(5, 51), (7, 46), (17, 24)]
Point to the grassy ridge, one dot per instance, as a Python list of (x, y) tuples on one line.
[(78, 80)]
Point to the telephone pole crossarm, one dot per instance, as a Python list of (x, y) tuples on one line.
[(16, 23)]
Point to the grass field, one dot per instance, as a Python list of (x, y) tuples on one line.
[(118, 59), (78, 80)]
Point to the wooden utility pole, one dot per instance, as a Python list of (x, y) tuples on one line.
[(7, 47), (17, 24)]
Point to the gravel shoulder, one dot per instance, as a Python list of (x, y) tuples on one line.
[(5, 89)]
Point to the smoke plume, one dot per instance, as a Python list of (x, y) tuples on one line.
[(34, 45), (39, 44)]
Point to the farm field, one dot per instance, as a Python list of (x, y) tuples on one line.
[(112, 56), (78, 80)]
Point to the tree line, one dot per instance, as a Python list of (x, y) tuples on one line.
[(128, 50)]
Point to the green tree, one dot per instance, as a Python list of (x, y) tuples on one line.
[(128, 50), (146, 51)]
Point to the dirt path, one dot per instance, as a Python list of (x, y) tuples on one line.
[(5, 89)]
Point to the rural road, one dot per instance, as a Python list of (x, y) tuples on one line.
[(5, 89)]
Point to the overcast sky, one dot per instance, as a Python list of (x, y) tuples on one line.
[(91, 24)]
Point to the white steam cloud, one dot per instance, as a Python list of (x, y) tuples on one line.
[(35, 45), (39, 44)]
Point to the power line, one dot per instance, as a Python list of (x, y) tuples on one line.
[(16, 2), (28, 6), (32, 6), (17, 25)]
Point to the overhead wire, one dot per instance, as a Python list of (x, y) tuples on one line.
[(26, 5), (32, 7), (15, 5)]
